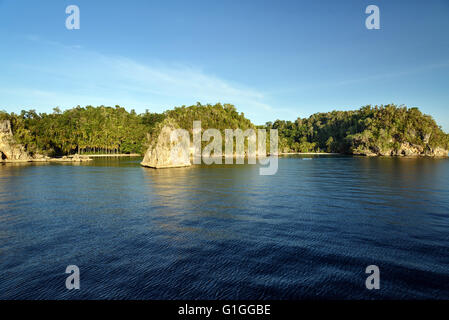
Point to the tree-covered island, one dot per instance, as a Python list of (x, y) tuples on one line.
[(380, 130)]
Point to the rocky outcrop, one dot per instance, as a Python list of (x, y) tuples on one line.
[(163, 153), (437, 152), (74, 158), (10, 150), (406, 149)]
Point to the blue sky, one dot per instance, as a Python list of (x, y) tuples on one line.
[(272, 59)]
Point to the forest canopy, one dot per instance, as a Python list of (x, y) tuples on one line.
[(82, 130), (378, 129), (108, 130)]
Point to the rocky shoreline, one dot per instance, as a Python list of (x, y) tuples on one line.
[(74, 158), (406, 149)]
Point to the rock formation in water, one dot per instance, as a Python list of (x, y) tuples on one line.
[(162, 152), (10, 150)]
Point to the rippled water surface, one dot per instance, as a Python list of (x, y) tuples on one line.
[(225, 232)]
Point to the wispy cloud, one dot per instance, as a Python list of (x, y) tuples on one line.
[(70, 75)]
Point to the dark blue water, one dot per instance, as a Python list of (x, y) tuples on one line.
[(225, 232)]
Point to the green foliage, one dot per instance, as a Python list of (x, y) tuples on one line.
[(107, 130), (114, 130), (372, 129), (4, 115), (216, 116), (83, 130)]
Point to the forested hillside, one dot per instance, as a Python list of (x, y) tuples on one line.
[(384, 130), (107, 130), (82, 130), (216, 116)]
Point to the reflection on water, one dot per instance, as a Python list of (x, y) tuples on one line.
[(225, 231), (191, 198)]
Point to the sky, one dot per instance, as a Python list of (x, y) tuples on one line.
[(272, 59)]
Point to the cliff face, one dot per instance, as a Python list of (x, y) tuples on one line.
[(9, 149), (159, 154)]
